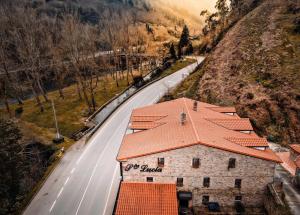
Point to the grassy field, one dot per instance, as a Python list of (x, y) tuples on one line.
[(71, 111), (177, 66)]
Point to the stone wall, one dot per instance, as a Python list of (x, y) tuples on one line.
[(255, 174)]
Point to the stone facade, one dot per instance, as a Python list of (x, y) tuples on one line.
[(255, 174)]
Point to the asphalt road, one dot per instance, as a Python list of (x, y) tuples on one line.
[(291, 192), (86, 180)]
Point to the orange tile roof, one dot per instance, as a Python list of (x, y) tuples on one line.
[(147, 199), (287, 163), (295, 147), (196, 130), (144, 125), (224, 109), (234, 124), (144, 118), (249, 142), (297, 162)]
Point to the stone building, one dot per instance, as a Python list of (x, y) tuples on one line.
[(209, 152)]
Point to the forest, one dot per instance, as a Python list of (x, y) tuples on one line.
[(78, 56)]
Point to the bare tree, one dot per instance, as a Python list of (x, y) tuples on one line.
[(78, 42), (111, 25), (57, 63), (90, 63), (28, 38), (6, 52), (3, 94), (126, 40), (72, 43)]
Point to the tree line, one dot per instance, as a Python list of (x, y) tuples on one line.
[(184, 46), (218, 23), (22, 164), (35, 43)]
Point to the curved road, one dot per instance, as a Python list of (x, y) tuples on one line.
[(86, 181)]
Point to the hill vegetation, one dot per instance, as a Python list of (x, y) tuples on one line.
[(254, 65)]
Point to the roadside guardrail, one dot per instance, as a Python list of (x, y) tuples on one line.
[(107, 109)]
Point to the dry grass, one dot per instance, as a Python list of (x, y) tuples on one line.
[(177, 66), (71, 111)]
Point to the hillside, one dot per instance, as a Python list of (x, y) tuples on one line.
[(165, 19), (255, 67)]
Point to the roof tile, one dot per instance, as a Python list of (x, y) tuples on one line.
[(224, 109), (147, 199), (249, 142), (144, 125), (237, 124), (196, 130), (295, 147)]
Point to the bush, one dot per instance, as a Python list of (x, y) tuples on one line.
[(297, 25), (18, 111), (156, 73), (138, 81), (249, 96), (166, 65)]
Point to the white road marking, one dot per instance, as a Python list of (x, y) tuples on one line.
[(97, 163), (73, 170), (110, 189), (52, 206), (77, 162), (61, 189), (94, 170), (101, 131), (67, 181)]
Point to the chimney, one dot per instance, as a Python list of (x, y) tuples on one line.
[(195, 106), (182, 117)]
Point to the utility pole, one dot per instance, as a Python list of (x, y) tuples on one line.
[(58, 138)]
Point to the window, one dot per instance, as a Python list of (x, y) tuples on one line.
[(196, 162), (238, 183), (149, 179), (161, 162), (179, 182), (206, 181), (231, 163), (205, 199), (238, 198)]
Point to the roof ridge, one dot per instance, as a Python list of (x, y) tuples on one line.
[(243, 141), (152, 115), (157, 124), (218, 106), (227, 119), (246, 137), (218, 122), (193, 125)]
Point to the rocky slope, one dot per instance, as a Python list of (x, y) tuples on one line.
[(256, 67)]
